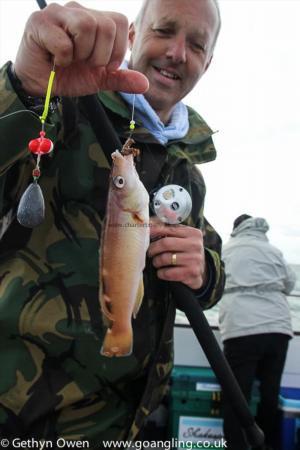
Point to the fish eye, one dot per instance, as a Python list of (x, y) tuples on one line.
[(119, 182)]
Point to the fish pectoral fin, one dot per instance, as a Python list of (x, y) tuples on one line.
[(106, 322), (106, 306), (138, 217), (139, 298)]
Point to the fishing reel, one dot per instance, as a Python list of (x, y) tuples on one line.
[(172, 204)]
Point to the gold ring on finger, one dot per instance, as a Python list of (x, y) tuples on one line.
[(174, 259)]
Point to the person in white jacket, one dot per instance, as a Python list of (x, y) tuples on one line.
[(255, 323)]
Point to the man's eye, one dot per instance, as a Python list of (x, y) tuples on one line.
[(198, 47), (163, 31)]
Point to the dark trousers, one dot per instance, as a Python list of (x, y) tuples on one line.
[(262, 357)]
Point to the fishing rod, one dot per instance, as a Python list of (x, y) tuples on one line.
[(187, 302), (42, 4), (183, 295)]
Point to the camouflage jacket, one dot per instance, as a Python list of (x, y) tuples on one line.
[(54, 382)]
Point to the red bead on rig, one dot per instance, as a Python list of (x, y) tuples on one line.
[(40, 146)]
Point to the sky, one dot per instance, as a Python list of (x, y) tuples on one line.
[(250, 97)]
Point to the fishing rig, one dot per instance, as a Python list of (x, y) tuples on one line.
[(184, 296)]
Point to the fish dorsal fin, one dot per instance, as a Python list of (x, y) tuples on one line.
[(139, 298)]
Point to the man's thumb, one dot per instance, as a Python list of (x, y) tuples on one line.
[(129, 81)]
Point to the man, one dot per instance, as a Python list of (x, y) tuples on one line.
[(56, 383), (255, 322)]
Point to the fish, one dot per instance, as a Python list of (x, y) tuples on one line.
[(124, 243)]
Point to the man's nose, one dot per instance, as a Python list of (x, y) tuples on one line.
[(177, 50)]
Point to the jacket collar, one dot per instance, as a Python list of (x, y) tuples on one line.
[(197, 146)]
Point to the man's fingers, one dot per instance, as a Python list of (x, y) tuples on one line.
[(180, 275), (87, 46), (168, 259), (104, 44), (99, 38), (111, 35), (173, 244), (176, 259), (121, 42), (174, 274), (68, 34), (160, 229), (171, 274), (57, 43), (82, 28), (111, 39), (80, 25), (163, 245)]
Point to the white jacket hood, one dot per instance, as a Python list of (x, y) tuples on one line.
[(250, 226)]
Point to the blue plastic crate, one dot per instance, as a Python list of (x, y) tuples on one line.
[(289, 403)]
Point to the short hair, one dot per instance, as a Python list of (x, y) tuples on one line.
[(240, 219), (219, 24), (143, 10)]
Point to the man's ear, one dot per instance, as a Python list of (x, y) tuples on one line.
[(131, 35), (208, 63)]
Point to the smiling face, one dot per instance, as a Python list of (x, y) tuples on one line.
[(172, 45)]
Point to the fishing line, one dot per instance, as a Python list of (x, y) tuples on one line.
[(20, 111), (43, 117), (132, 121)]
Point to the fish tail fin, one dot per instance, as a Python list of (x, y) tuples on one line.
[(117, 343)]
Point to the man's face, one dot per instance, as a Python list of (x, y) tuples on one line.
[(172, 46)]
